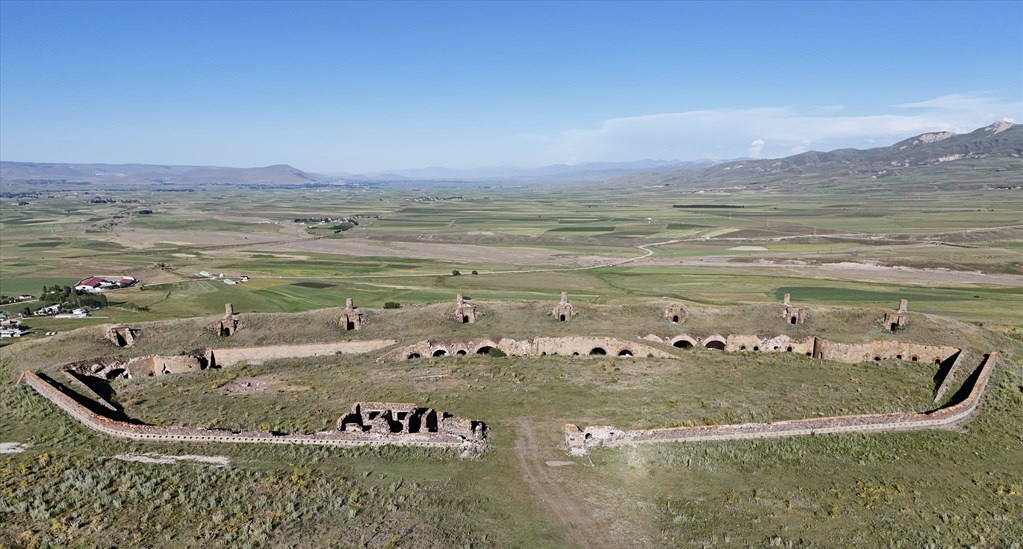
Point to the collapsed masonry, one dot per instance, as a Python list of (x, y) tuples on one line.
[(675, 313), (894, 320), (579, 441), (564, 311), (403, 417), (450, 432), (791, 313), (351, 318), (465, 313), (229, 324), (122, 336), (144, 366)]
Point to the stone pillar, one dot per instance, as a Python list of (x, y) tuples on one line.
[(903, 305), (348, 303), (564, 298), (786, 301), (228, 309)]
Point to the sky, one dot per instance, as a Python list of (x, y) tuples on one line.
[(334, 87)]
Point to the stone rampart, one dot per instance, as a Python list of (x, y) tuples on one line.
[(96, 422), (580, 440), (257, 355), (850, 353), (540, 346)]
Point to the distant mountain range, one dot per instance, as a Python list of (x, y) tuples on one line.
[(140, 174), (999, 140)]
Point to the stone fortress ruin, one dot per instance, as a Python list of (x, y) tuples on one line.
[(350, 318), (894, 320), (374, 423), (465, 313), (564, 311)]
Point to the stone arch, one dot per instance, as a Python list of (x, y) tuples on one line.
[(683, 342), (414, 355), (483, 349), (625, 352), (598, 351), (715, 342), (460, 352), (439, 352)]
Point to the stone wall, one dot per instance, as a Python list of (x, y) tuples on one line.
[(540, 346), (850, 353), (579, 441), (450, 438), (257, 355)]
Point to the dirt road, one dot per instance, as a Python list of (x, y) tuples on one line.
[(574, 516)]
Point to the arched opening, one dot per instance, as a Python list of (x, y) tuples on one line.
[(545, 353), (349, 325), (789, 349), (756, 348), (877, 359), (741, 347), (898, 357), (914, 358), (598, 351), (775, 347), (483, 350), (716, 345), (588, 436), (675, 319), (440, 352), (465, 319), (115, 373), (561, 318), (893, 327), (937, 361), (575, 354), (625, 352), (683, 344), (792, 320), (460, 352), (413, 355)]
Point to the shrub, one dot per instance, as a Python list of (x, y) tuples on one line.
[(455, 272), (494, 351), (392, 305), (475, 272)]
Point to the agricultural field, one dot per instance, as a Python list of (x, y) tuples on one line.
[(622, 254)]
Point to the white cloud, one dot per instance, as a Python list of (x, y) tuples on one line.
[(756, 148), (773, 131)]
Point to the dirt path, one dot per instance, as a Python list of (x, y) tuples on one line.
[(573, 514)]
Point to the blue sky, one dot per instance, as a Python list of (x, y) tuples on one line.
[(364, 87)]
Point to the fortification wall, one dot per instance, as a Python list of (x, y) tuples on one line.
[(944, 418), (258, 355), (154, 433), (850, 353), (539, 346)]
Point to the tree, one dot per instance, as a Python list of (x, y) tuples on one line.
[(455, 272), (475, 272)]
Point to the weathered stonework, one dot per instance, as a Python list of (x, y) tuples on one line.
[(675, 313), (850, 353), (465, 312), (580, 441), (229, 324), (122, 336), (564, 311), (351, 318), (791, 313), (894, 320), (540, 346), (451, 432)]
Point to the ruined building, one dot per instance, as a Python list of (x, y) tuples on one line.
[(564, 311), (407, 418), (675, 313), (351, 318), (895, 320), (792, 314), (122, 336), (228, 325), (465, 313)]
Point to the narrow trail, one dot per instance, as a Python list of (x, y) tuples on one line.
[(572, 513)]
